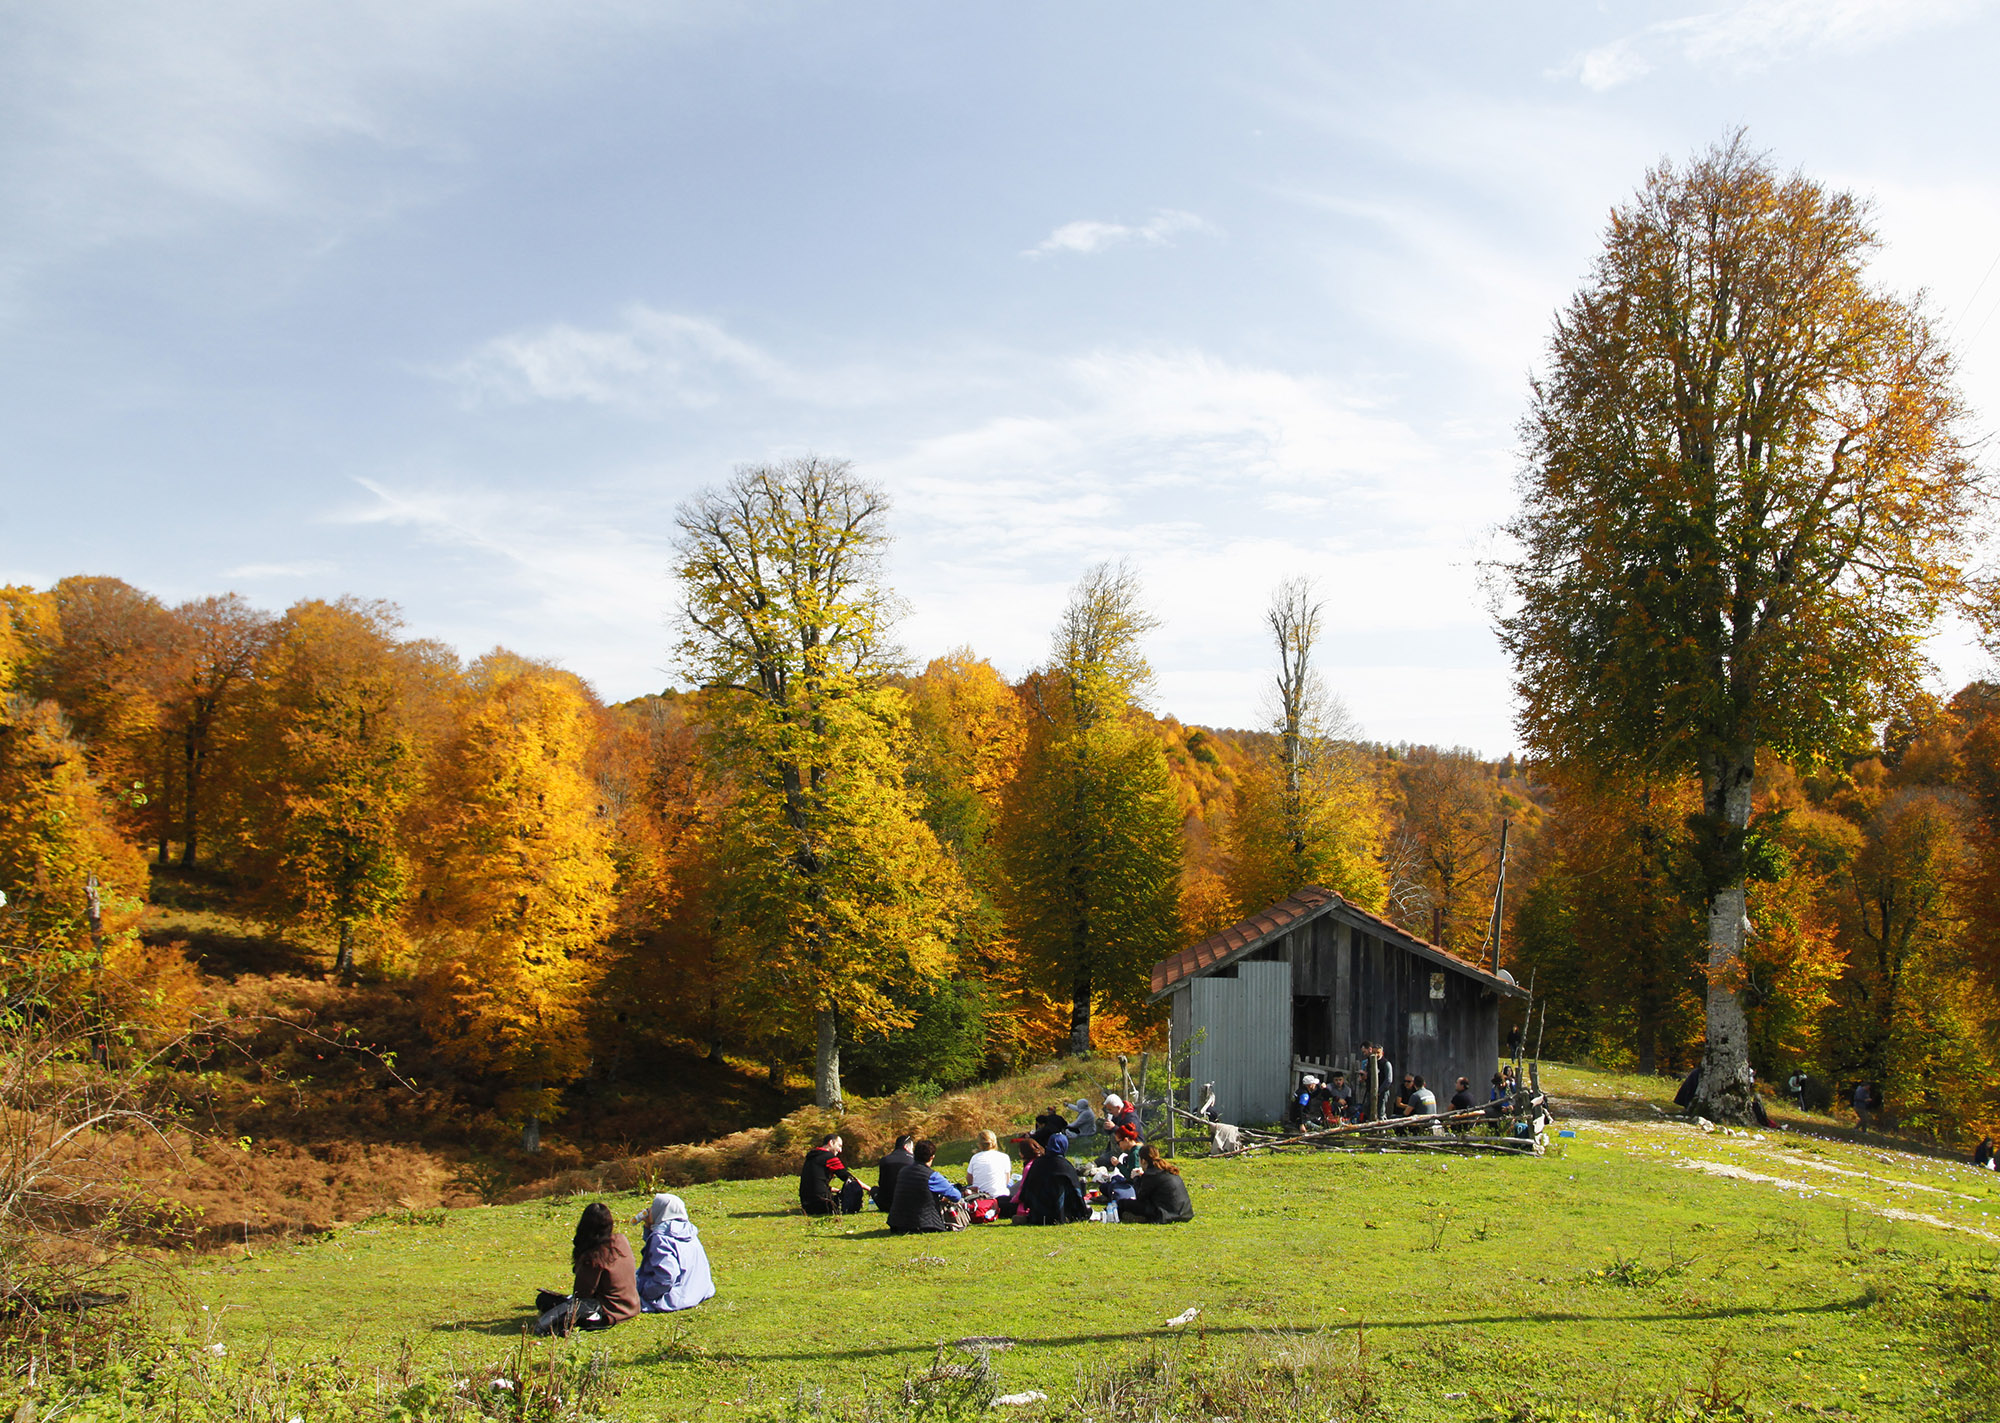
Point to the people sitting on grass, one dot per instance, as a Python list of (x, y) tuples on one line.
[(604, 1290), (822, 1168), (1052, 1192), (1049, 1123), (990, 1169), (1123, 1153), (1159, 1196), (925, 1203), (1119, 1113), (1014, 1204), (1085, 1122), (1337, 1100), (1304, 1105), (673, 1265), (1461, 1101), (888, 1168), (1404, 1091), (1983, 1156)]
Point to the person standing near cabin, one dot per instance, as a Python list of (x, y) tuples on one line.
[(1385, 1102)]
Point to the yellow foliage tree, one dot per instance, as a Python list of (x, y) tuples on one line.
[(329, 770), (836, 896), (517, 885), (56, 831)]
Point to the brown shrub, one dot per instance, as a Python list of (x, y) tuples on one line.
[(870, 1126)]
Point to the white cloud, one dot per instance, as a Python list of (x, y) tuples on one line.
[(651, 358), (1087, 236), (140, 119), (1754, 36)]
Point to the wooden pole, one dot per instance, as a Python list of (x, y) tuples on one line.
[(1140, 1106), (1172, 1097), (1499, 898), (94, 908)]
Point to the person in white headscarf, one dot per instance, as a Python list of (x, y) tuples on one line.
[(673, 1270)]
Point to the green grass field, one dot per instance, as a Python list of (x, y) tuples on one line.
[(1642, 1265)]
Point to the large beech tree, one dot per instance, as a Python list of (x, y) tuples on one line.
[(834, 893), (1091, 831), (1744, 503)]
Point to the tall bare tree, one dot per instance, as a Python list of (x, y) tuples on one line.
[(1308, 814)]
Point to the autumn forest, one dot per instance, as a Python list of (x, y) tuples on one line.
[(1752, 833)]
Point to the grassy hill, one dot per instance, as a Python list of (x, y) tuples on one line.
[(1645, 1268)]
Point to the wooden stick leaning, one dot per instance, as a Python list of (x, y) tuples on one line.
[(1393, 1128)]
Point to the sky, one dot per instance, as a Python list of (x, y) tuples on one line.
[(453, 303)]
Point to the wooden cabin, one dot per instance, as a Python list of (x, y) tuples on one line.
[(1300, 986)]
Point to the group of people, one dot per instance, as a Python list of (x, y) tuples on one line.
[(1378, 1094), (1131, 1180), (608, 1287)]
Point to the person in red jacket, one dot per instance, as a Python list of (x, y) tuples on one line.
[(605, 1290), (822, 1168)]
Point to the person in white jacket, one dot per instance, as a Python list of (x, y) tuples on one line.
[(673, 1271)]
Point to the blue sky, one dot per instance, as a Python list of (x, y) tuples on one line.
[(453, 303)]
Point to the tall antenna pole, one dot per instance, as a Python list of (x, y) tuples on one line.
[(1499, 897)]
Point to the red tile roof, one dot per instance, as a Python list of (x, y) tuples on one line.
[(1256, 929), (1265, 925)]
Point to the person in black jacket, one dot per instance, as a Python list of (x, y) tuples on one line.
[(888, 1168), (921, 1196), (1160, 1197), (1049, 1123), (822, 1168), (1053, 1192)]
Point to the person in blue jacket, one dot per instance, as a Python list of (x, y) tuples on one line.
[(673, 1269)]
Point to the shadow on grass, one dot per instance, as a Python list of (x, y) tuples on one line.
[(501, 1326), (1156, 1332)]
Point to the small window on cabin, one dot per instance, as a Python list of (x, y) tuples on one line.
[(1437, 985), (1423, 1025), (1227, 972)]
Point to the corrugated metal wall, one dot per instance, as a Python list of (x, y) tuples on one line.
[(1245, 1028)]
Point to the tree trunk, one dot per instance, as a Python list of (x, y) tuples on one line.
[(531, 1134), (826, 1062), (190, 782), (343, 961), (1079, 1017), (1726, 1090)]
